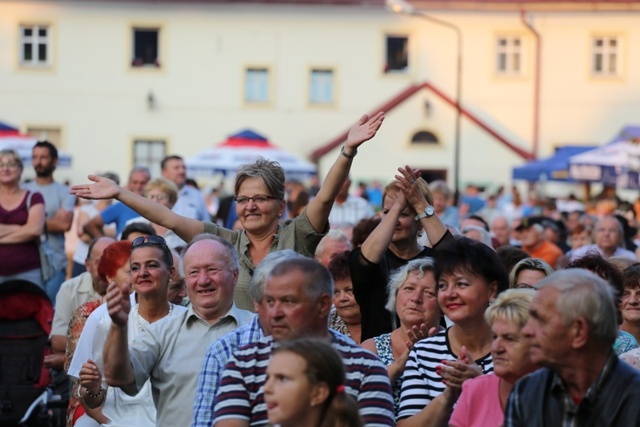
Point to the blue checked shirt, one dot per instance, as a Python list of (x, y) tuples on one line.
[(214, 362)]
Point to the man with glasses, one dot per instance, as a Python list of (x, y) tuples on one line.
[(170, 352)]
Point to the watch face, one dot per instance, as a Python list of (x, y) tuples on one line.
[(429, 210)]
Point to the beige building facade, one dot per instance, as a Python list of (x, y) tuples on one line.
[(119, 83)]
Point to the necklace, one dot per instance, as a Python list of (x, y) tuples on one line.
[(140, 320)]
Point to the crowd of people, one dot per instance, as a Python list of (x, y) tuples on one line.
[(296, 307)]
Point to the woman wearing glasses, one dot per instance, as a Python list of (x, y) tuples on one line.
[(260, 203), (21, 223), (150, 269), (527, 272)]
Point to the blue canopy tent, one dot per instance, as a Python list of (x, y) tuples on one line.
[(554, 168)]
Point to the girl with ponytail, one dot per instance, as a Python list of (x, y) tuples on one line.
[(305, 387)]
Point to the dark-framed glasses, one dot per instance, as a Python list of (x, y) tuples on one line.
[(259, 200)]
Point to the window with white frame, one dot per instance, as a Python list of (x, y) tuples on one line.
[(509, 55), (606, 56), (397, 54), (256, 85), (149, 153), (35, 45), (146, 47), (322, 86)]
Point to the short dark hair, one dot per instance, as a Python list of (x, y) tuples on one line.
[(137, 227), (53, 151), (510, 256), (339, 267), (471, 256), (480, 219), (164, 161)]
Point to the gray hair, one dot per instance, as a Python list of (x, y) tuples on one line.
[(262, 271), (536, 264), (269, 172), (14, 155), (583, 294), (333, 234), (318, 280), (485, 236), (619, 226), (511, 305), (439, 186), (399, 276), (232, 254), (143, 169)]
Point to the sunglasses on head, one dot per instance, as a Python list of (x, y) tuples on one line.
[(152, 240)]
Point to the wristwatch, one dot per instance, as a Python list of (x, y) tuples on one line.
[(428, 213)]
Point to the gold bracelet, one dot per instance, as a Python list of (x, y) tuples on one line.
[(348, 156)]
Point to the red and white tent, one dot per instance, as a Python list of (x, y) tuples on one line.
[(245, 147), (12, 139)]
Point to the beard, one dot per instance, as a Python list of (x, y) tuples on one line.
[(43, 172)]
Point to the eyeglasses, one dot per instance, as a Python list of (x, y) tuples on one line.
[(8, 165), (524, 286), (152, 240), (157, 197), (242, 200)]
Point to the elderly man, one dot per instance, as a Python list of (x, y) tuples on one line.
[(534, 242), (571, 331), (170, 352), (334, 243), (73, 293), (501, 229), (608, 235), (298, 299), (221, 351)]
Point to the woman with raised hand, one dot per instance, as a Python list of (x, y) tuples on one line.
[(469, 277), (406, 211), (259, 196), (483, 399), (151, 269), (305, 387), (412, 297)]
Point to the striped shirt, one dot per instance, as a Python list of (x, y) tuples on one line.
[(214, 362), (420, 383), (241, 391)]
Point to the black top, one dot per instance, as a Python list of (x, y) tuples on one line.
[(370, 287)]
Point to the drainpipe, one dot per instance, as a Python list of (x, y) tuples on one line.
[(536, 84)]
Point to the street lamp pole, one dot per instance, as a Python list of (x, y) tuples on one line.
[(401, 6)]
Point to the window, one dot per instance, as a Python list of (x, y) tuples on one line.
[(256, 85), (321, 86), (509, 55), (34, 45), (146, 47), (424, 137), (606, 56), (51, 134), (149, 153), (397, 54)]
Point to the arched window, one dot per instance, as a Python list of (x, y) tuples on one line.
[(424, 137)]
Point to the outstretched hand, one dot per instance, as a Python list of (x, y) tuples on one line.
[(118, 303), (364, 130), (104, 188)]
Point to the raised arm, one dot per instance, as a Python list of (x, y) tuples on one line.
[(117, 361), (320, 207), (378, 242), (432, 225), (104, 188)]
